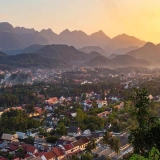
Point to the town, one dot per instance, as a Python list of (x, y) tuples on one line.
[(78, 114)]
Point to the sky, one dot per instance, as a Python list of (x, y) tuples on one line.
[(139, 18)]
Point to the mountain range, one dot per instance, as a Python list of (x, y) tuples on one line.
[(13, 39), (149, 52), (23, 47), (64, 56), (116, 62)]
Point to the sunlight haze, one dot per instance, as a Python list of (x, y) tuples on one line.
[(139, 18)]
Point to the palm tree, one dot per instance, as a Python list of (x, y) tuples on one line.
[(116, 145), (107, 138), (91, 145)]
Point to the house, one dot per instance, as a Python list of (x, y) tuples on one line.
[(96, 136), (21, 135), (62, 99), (68, 148), (48, 156), (49, 120), (87, 132), (101, 103), (3, 144), (52, 101), (62, 142), (58, 152), (115, 99), (69, 155), (103, 114), (31, 150), (74, 131), (44, 146), (13, 148), (80, 144), (37, 112), (68, 138), (88, 102), (9, 137), (120, 106), (37, 158)]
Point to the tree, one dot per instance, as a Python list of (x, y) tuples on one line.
[(30, 140), (91, 145), (83, 96), (154, 154), (51, 139), (74, 157), (79, 116), (111, 141), (143, 137), (92, 127), (61, 129), (107, 139), (10, 156), (86, 156), (20, 149), (116, 144)]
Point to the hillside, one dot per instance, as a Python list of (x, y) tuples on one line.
[(116, 62), (121, 51), (88, 49), (126, 60), (32, 60), (11, 38), (31, 49), (19, 38), (112, 56), (99, 38), (149, 52), (94, 54), (2, 54), (64, 53), (100, 62), (124, 41), (49, 35)]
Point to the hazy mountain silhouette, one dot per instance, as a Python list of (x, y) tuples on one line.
[(88, 49), (116, 62), (125, 41), (94, 54), (75, 38), (64, 53), (50, 36), (20, 38), (101, 62), (149, 52), (2, 54), (10, 39), (99, 38), (32, 49), (121, 51), (112, 56), (67, 56), (32, 60), (22, 30), (127, 60), (6, 27)]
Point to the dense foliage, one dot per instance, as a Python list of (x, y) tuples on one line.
[(16, 120), (145, 135)]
